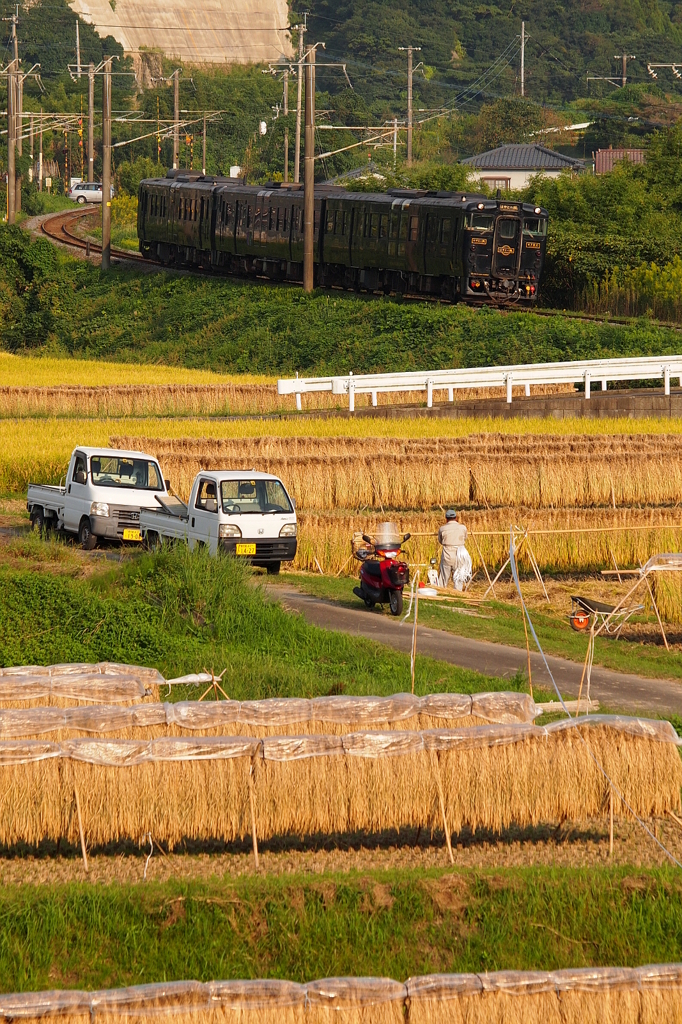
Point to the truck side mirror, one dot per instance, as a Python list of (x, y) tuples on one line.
[(167, 483)]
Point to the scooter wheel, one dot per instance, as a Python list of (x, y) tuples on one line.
[(395, 601)]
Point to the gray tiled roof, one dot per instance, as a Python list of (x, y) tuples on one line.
[(523, 157)]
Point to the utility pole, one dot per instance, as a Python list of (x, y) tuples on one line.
[(309, 175), (410, 50), (11, 129), (395, 140), (297, 141), (286, 126), (91, 122), (106, 165), (523, 58), (203, 152), (624, 57), (176, 117), (78, 50), (40, 154)]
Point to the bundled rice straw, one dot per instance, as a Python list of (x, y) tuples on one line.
[(283, 716), (600, 995), (63, 686), (490, 776), (525, 470)]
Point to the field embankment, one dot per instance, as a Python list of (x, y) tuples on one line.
[(243, 327), (392, 923)]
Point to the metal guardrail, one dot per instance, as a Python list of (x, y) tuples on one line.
[(578, 372)]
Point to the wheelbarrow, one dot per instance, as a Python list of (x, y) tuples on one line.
[(585, 613)]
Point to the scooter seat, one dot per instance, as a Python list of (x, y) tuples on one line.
[(373, 568)]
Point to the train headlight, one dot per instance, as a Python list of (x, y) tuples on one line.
[(537, 210), (481, 206)]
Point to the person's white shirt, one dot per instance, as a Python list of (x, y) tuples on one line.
[(452, 535)]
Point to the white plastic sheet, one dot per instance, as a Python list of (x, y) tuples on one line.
[(370, 744), (333, 993)]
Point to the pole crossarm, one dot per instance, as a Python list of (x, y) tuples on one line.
[(576, 372)]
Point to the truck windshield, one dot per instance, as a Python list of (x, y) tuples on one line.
[(124, 471), (254, 496)]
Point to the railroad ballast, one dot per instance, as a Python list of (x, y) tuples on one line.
[(454, 245)]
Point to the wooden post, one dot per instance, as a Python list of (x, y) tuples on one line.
[(611, 821), (80, 827), (651, 595), (441, 798), (525, 630), (413, 656), (252, 807)]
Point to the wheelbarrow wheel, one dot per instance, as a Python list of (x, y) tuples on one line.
[(580, 621)]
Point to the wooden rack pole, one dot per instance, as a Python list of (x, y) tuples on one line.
[(441, 798), (252, 808), (80, 828)]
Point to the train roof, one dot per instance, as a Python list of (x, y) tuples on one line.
[(422, 197)]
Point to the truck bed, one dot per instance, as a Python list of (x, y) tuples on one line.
[(47, 495)]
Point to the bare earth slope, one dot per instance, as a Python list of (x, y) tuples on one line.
[(205, 32)]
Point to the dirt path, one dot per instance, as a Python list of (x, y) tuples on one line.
[(614, 689)]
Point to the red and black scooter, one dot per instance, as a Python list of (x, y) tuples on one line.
[(382, 575)]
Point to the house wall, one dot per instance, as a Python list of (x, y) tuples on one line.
[(514, 178)]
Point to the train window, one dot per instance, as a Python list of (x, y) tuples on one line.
[(248, 217), (535, 226), (285, 218), (368, 225), (316, 222), (375, 226), (481, 221), (383, 225), (331, 221), (432, 230), (445, 232), (344, 222), (414, 229), (507, 228), (277, 220)]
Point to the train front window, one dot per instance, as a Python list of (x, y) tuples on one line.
[(481, 221), (506, 228), (535, 227)]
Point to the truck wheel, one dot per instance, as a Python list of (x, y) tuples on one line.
[(86, 537), (152, 541), (273, 568), (395, 601), (38, 520)]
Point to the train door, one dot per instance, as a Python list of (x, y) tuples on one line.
[(414, 239), (506, 247)]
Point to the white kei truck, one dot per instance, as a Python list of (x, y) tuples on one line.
[(105, 490), (242, 512)]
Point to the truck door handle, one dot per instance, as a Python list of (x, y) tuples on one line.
[(192, 522), (69, 488)]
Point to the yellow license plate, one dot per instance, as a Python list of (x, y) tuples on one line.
[(246, 549), (132, 535)]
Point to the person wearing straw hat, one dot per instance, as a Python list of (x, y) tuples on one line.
[(455, 560)]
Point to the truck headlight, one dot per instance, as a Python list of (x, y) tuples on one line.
[(99, 508), (288, 530), (229, 530)]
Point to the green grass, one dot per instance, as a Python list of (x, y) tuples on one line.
[(52, 302), (395, 924), (185, 612), (501, 623)]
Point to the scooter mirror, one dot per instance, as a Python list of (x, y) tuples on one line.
[(406, 537), (368, 540)]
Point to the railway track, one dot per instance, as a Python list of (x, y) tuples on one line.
[(57, 227)]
